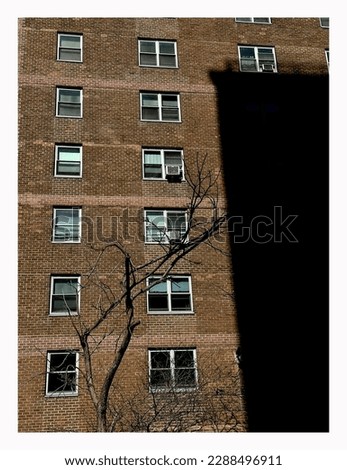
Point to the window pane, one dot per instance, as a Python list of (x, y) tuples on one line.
[(176, 221), (161, 287), (70, 96), (247, 52), (160, 378), (152, 157), (169, 101), (62, 361), (166, 48), (68, 168), (160, 359), (173, 158), (65, 286), (180, 285), (180, 302), (64, 303), (147, 46), (153, 171), (69, 154), (265, 55), (70, 41), (167, 61), (185, 378), (184, 358), (261, 20), (170, 114), (244, 19), (149, 100), (150, 114), (148, 59), (70, 54), (158, 302)]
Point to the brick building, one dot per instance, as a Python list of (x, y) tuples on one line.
[(113, 113)]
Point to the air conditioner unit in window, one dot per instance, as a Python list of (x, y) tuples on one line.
[(173, 170), (267, 67)]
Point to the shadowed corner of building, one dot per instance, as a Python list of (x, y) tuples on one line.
[(275, 142)]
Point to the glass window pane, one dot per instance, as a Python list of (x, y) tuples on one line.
[(148, 59), (70, 54), (161, 287), (62, 303), (244, 19), (70, 41), (185, 378), (158, 302), (69, 110), (169, 101), (160, 359), (184, 358), (152, 157), (180, 284), (147, 46), (160, 378), (62, 361), (247, 52), (69, 154), (170, 114), (151, 114), (167, 61), (70, 96), (153, 171), (65, 286), (173, 158), (149, 100), (177, 221), (166, 48), (262, 20), (68, 168), (180, 302)]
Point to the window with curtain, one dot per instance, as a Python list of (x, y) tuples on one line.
[(65, 295), (157, 53), (165, 226), (160, 107), (68, 160), (257, 59), (69, 47), (157, 161), (67, 225), (69, 102)]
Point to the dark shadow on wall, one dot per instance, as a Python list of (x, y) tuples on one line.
[(275, 143)]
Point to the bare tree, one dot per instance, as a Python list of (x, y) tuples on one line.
[(115, 320)]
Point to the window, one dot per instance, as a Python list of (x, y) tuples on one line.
[(69, 102), (165, 226), (324, 22), (172, 369), (67, 225), (65, 295), (160, 107), (327, 56), (257, 59), (158, 163), (174, 295), (62, 367), (68, 161), (253, 20), (69, 47), (157, 53)]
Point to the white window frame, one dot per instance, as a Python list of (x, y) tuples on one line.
[(157, 53), (252, 20), (61, 393), (259, 66), (58, 102), (59, 47), (324, 23), (65, 312), (56, 239), (160, 107), (172, 386), (169, 292), (58, 147), (163, 153), (164, 213)]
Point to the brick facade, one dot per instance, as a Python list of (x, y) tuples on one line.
[(112, 192)]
